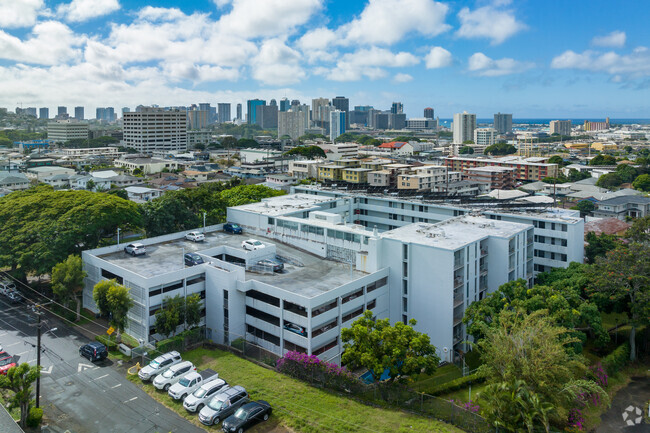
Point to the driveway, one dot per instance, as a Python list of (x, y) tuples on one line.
[(635, 395)]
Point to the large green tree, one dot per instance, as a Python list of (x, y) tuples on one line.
[(599, 245), (602, 159), (42, 227), (19, 381), (68, 281), (245, 194), (376, 345), (622, 277), (609, 180), (627, 172), (532, 378), (309, 152), (565, 306), (642, 182), (168, 214), (500, 149), (466, 150), (640, 230)]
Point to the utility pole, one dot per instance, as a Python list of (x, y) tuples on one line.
[(38, 357)]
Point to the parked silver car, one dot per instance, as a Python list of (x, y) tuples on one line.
[(195, 401), (223, 405), (159, 365)]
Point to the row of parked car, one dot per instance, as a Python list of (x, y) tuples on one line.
[(8, 289), (205, 393)]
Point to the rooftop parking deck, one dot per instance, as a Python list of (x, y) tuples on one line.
[(315, 276)]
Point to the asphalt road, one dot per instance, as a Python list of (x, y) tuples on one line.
[(76, 395)]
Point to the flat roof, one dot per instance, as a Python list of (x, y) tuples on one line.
[(284, 204), (314, 277), (454, 233)]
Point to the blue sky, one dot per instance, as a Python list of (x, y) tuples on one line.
[(547, 58)]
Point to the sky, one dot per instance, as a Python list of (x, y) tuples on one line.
[(532, 58)]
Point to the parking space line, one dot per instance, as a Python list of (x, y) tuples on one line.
[(13, 344), (100, 377), (113, 387), (31, 360), (126, 401)]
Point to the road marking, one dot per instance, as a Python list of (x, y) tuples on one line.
[(13, 344), (100, 377), (81, 367), (130, 400), (47, 370), (31, 360), (113, 387), (3, 334)]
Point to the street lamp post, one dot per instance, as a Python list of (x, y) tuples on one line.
[(204, 222), (118, 236), (38, 356)]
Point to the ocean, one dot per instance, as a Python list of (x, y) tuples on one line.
[(488, 121)]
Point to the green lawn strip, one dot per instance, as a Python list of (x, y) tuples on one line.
[(442, 375), (15, 412), (299, 406)]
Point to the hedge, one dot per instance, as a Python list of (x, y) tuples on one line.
[(110, 344), (456, 384), (616, 360), (34, 417)]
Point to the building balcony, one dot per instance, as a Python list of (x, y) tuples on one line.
[(458, 264), (484, 251), (483, 269), (458, 282), (263, 325), (263, 306), (324, 318), (325, 337), (458, 301), (296, 339), (288, 316)]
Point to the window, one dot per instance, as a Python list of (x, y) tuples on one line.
[(372, 304), (324, 308), (155, 292), (352, 296), (264, 335), (263, 297), (405, 287), (405, 304), (405, 269), (197, 280), (405, 251), (171, 287), (382, 282), (352, 315), (111, 276), (271, 221), (269, 318)]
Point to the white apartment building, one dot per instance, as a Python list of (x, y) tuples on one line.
[(562, 127), (463, 127), (336, 151), (64, 130), (108, 152), (304, 169), (292, 123), (154, 129), (433, 178), (485, 136), (343, 253)]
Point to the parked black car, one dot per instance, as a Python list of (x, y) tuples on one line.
[(276, 265), (192, 259), (232, 228), (94, 351), (246, 416)]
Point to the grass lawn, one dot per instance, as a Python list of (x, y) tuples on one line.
[(296, 405), (462, 395), (442, 375)]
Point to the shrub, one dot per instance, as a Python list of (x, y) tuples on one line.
[(311, 369), (34, 417), (238, 343), (456, 384), (616, 360), (106, 341)]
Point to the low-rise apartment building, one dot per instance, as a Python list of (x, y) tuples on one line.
[(495, 177), (525, 170)]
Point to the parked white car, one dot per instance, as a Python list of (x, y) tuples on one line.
[(172, 375), (7, 287), (195, 401), (186, 386), (135, 249), (252, 245), (195, 236), (159, 365)]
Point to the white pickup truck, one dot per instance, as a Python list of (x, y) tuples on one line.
[(190, 383)]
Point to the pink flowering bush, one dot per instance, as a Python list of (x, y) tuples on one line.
[(311, 369), (469, 406)]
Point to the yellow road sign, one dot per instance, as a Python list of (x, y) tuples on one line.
[(110, 330)]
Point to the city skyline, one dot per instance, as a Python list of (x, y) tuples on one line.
[(480, 56)]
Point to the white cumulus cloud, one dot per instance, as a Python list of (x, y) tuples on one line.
[(488, 22), (83, 10), (277, 64), (438, 57), (50, 43), (19, 13), (615, 39), (367, 62), (389, 21), (482, 65), (635, 64), (402, 78)]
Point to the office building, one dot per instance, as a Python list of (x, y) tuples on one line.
[(428, 113), (30, 111), (224, 112), (463, 127), (421, 124), (197, 119), (358, 117), (125, 110), (397, 108), (503, 123), (396, 121), (251, 106), (342, 103), (44, 113), (337, 124), (561, 127), (154, 129), (105, 114), (485, 136), (596, 126), (319, 114), (266, 116), (291, 123), (285, 104), (61, 110), (79, 113), (273, 103), (239, 112), (350, 266), (64, 130)]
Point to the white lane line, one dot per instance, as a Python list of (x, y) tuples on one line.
[(13, 344), (130, 400), (3, 334), (22, 353), (100, 377), (113, 387), (31, 360)]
